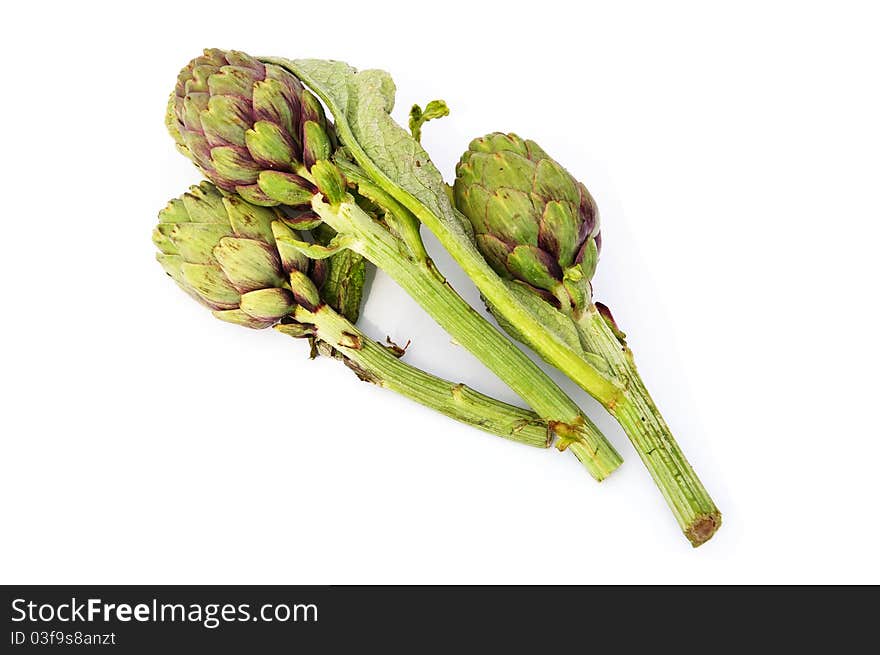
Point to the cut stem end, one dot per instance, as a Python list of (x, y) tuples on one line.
[(703, 528)]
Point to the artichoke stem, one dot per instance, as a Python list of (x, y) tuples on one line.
[(375, 363), (422, 281), (691, 504)]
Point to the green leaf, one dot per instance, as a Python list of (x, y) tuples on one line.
[(555, 322), (346, 275), (360, 103), (316, 250), (417, 117)]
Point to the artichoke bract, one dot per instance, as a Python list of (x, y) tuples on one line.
[(252, 128), (532, 220), (222, 250), (538, 228), (237, 259)]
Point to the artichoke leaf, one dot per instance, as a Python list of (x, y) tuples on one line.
[(418, 116), (361, 102), (316, 250), (555, 322), (343, 289)]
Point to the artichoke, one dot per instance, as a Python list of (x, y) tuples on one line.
[(532, 220), (223, 251), (538, 227), (239, 260), (252, 128)]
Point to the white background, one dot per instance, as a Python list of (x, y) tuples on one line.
[(733, 151)]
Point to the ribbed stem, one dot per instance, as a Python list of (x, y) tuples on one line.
[(425, 284), (377, 364), (635, 410)]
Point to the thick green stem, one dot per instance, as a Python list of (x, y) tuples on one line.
[(425, 284), (377, 364), (636, 412)]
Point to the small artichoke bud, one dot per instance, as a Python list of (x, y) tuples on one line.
[(532, 220), (249, 126)]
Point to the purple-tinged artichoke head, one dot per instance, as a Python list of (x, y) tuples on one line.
[(532, 220), (252, 128), (232, 257)]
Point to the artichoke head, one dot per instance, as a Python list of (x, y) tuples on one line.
[(231, 256), (533, 222), (252, 128)]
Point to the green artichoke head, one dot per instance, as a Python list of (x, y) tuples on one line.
[(533, 221), (252, 128), (231, 256)]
